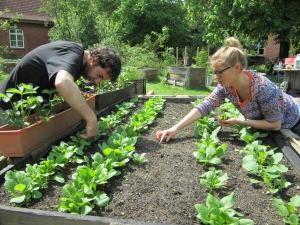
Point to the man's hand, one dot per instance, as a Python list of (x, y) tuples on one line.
[(166, 134), (91, 129)]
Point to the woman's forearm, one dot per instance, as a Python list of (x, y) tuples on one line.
[(191, 117), (262, 124)]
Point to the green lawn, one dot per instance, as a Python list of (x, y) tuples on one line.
[(164, 89)]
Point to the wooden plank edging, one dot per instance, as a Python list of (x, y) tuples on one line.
[(23, 216), (287, 150)]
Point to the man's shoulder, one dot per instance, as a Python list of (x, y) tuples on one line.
[(65, 44)]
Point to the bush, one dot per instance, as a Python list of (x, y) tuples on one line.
[(129, 73), (259, 68), (202, 59)]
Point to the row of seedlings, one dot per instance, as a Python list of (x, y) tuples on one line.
[(264, 165), (28, 184), (85, 191), (210, 151)]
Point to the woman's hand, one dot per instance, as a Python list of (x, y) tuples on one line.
[(231, 122), (162, 135)]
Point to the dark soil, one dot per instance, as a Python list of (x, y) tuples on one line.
[(166, 188)]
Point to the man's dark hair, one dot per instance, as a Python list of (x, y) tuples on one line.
[(107, 58)]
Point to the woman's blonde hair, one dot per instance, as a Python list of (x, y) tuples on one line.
[(230, 54)]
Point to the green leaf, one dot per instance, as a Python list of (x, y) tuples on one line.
[(59, 179), (20, 187), (254, 181), (216, 161), (277, 157), (228, 201), (295, 201), (101, 199), (18, 200), (293, 219), (87, 209), (246, 222), (280, 207), (203, 213), (36, 194), (249, 163)]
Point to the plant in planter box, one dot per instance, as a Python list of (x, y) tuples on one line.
[(289, 211), (249, 135), (129, 73), (213, 179), (209, 151), (205, 124), (264, 163), (220, 211), (19, 114)]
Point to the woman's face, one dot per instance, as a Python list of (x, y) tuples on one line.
[(225, 74)]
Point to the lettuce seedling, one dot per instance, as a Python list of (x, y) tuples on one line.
[(220, 211), (209, 151), (289, 211), (213, 179)]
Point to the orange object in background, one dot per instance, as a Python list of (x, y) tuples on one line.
[(289, 61)]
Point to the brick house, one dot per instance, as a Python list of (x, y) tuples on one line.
[(31, 29)]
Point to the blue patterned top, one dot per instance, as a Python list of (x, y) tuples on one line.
[(266, 101)]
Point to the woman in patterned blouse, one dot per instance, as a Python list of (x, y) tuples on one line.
[(262, 103)]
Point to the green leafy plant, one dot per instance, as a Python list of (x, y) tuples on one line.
[(19, 114), (289, 211), (139, 158), (220, 211), (263, 162), (19, 185), (227, 110), (209, 151), (248, 135), (205, 124), (213, 179), (202, 59)]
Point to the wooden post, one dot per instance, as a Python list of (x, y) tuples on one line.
[(176, 56), (197, 52), (185, 58)]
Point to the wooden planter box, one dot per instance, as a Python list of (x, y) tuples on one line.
[(150, 73), (22, 216), (190, 77), (40, 135), (114, 97)]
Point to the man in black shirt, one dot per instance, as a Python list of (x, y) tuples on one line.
[(57, 65)]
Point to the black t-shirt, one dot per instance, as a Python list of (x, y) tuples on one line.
[(40, 66)]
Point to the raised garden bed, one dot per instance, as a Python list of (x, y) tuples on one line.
[(150, 73), (104, 100), (190, 77), (166, 188)]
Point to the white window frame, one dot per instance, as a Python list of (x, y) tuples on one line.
[(15, 32)]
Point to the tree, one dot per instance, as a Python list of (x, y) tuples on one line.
[(74, 20), (249, 19), (137, 18)]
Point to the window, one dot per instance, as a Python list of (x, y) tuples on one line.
[(16, 38)]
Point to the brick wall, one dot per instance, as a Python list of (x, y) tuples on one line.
[(34, 36), (271, 51)]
